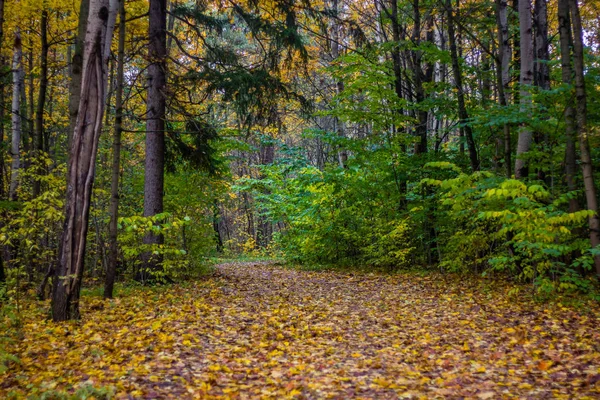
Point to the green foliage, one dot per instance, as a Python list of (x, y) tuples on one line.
[(174, 258), (489, 223), (335, 216)]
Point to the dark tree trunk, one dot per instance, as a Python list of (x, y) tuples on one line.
[(113, 251), (581, 118), (418, 80), (462, 110), (503, 75), (80, 173), (564, 26), (155, 128), (38, 137)]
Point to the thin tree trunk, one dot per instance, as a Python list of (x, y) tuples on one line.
[(155, 128), (38, 141), (116, 162), (339, 85), (462, 110), (503, 75), (526, 80), (564, 25), (84, 147), (584, 145), (17, 72), (2, 191)]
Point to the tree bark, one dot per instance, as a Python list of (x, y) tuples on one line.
[(17, 73), (76, 69), (564, 26), (2, 191), (541, 68), (80, 172), (581, 118), (503, 75), (526, 80), (38, 137), (462, 110), (155, 128), (339, 85), (116, 162)]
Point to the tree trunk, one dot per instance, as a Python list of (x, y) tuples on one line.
[(418, 78), (76, 69), (155, 128), (503, 75), (541, 68), (584, 145), (2, 192), (82, 157), (339, 85), (116, 162), (462, 110), (38, 137), (564, 26), (17, 73), (526, 79)]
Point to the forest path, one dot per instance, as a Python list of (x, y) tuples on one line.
[(257, 330), (292, 333)]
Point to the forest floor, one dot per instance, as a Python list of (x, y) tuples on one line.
[(257, 330)]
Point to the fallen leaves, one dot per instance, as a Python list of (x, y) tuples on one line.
[(259, 331)]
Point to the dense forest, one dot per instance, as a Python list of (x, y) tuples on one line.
[(142, 142)]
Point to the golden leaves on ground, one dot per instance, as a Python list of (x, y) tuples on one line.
[(258, 331)]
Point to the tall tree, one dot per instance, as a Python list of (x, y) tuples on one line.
[(339, 85), (503, 75), (525, 82), (82, 157), (155, 126), (116, 161), (76, 68), (581, 119), (2, 191), (564, 26), (38, 137), (462, 109), (17, 73)]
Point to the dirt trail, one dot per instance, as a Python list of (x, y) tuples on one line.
[(326, 334), (256, 330)]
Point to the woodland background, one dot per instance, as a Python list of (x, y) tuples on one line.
[(450, 135)]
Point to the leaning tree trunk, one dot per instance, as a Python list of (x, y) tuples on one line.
[(17, 72), (82, 157), (584, 145), (462, 109), (155, 131), (564, 25), (116, 162), (526, 79)]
